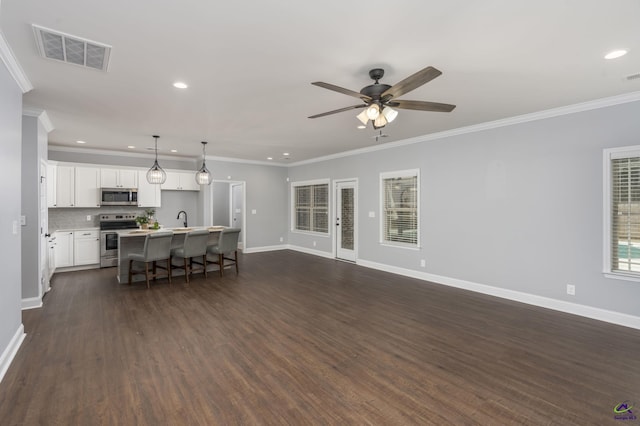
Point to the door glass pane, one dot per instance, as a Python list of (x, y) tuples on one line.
[(346, 196)]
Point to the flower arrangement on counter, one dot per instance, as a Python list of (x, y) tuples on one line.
[(147, 218)]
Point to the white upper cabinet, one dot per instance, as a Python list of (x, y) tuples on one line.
[(118, 178), (65, 186), (87, 187), (51, 185), (181, 181), (148, 193)]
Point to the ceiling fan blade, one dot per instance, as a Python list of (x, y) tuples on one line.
[(412, 82), (339, 110), (341, 90), (422, 106)]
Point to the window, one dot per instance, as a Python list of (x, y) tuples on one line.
[(311, 207), (622, 213), (399, 210)]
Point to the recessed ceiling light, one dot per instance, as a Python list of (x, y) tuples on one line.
[(130, 146), (80, 142), (269, 158), (174, 150), (362, 127), (180, 85), (615, 54), (286, 154)]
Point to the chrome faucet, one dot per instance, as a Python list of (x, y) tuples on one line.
[(185, 217)]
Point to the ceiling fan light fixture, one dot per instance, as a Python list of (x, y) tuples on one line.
[(373, 111), (380, 121), (363, 117), (203, 176), (156, 175), (390, 114)]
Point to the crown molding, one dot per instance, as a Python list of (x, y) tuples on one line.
[(535, 116), (77, 150), (41, 115), (12, 64), (238, 160)]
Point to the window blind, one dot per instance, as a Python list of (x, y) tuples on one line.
[(312, 208), (625, 215), (400, 209)]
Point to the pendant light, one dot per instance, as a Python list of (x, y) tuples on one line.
[(155, 174), (203, 176)]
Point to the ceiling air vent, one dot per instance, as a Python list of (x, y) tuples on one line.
[(633, 76), (71, 49)]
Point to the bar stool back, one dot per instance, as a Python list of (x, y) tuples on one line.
[(157, 246), (195, 245)]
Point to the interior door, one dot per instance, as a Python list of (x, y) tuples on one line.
[(44, 229), (237, 210), (346, 220)]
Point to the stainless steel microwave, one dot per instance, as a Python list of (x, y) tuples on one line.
[(118, 196)]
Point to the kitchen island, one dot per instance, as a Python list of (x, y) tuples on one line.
[(131, 241)]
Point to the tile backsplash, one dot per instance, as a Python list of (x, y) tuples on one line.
[(76, 218)]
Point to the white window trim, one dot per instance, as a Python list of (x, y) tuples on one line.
[(293, 206), (608, 155), (397, 174)]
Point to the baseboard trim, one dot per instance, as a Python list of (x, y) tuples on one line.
[(11, 350), (31, 303), (530, 299), (264, 248), (311, 251)]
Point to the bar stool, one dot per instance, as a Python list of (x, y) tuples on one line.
[(195, 245), (157, 246), (227, 244)]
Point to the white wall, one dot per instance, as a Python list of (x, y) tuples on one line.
[(517, 208), (10, 257)]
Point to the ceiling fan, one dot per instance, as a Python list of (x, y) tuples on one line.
[(379, 98)]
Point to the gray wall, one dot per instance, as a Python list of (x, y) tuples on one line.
[(31, 154), (10, 249), (266, 193), (516, 207), (221, 202)]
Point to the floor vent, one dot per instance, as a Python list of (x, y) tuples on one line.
[(71, 49)]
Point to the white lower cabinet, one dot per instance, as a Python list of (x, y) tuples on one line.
[(64, 249), (77, 248), (86, 247), (51, 256)]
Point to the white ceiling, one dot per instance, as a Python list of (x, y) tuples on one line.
[(249, 65)]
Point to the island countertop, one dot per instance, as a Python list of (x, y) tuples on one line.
[(126, 233), (130, 241)]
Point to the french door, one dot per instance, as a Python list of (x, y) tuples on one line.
[(346, 220)]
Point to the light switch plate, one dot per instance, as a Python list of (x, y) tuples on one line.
[(372, 214)]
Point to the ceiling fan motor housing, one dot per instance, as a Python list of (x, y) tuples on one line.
[(374, 91)]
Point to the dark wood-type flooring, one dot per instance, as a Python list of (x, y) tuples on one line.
[(296, 339)]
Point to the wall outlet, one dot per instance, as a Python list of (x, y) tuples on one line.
[(281, 239), (423, 263), (372, 214), (88, 217), (314, 243), (254, 211), (23, 220), (571, 289)]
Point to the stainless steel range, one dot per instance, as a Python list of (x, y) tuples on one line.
[(109, 224)]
